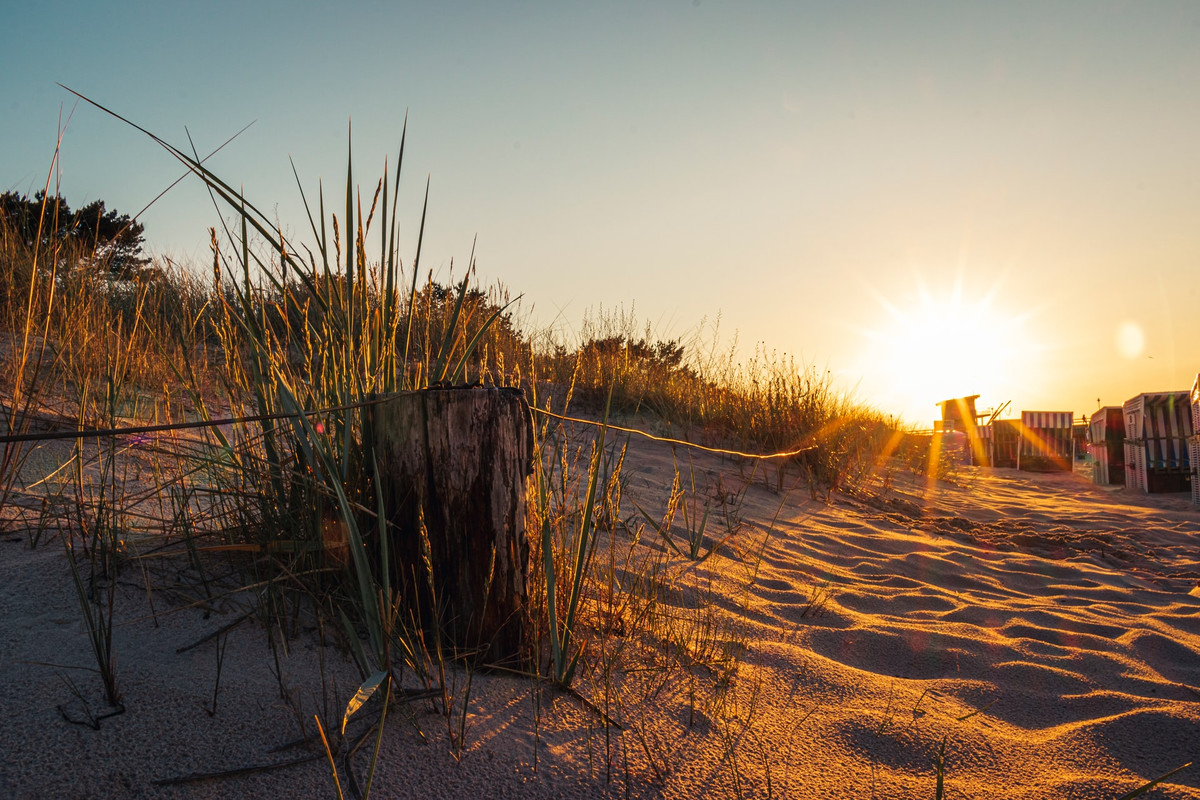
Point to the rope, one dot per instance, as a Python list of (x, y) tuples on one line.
[(212, 423), (178, 426), (693, 445)]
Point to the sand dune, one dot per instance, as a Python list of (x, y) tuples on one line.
[(1045, 630)]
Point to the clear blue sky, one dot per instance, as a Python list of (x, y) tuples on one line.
[(927, 199)]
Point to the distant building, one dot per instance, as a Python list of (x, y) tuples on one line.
[(1106, 440), (1004, 439), (1158, 426), (1047, 441), (958, 414)]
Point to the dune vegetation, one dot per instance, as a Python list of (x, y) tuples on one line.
[(223, 404), (195, 440)]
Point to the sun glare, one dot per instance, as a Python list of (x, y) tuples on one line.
[(1131, 340), (943, 345)]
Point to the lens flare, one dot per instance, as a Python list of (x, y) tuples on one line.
[(1131, 339), (942, 344)]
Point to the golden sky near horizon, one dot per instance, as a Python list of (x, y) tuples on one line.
[(928, 199)]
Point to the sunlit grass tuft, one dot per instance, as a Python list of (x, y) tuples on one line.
[(288, 515)]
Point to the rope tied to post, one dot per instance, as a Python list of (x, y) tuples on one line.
[(140, 430)]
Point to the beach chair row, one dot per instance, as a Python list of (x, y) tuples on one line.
[(1150, 443)]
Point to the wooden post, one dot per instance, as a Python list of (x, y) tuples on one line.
[(455, 462)]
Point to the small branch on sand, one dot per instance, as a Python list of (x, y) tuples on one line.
[(196, 777)]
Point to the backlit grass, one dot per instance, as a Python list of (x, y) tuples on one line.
[(283, 516)]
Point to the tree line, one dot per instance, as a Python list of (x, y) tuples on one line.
[(111, 241)]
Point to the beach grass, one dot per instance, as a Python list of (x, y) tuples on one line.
[(276, 333), (284, 512)]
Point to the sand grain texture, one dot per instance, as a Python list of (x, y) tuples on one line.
[(1046, 630)]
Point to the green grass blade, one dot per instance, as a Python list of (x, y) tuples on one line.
[(1141, 790), (387, 696), (412, 292), (361, 696), (449, 338), (367, 587), (659, 528), (579, 568), (941, 771), (462, 363), (549, 577)]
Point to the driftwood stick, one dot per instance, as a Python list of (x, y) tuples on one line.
[(219, 631), (196, 777)]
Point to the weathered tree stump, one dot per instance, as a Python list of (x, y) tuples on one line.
[(456, 461)]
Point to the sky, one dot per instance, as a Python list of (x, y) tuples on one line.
[(927, 200)]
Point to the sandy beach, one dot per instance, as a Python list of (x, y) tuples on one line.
[(342, 447), (1035, 633)]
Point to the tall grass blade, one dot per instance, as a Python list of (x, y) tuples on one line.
[(1141, 790), (337, 783), (361, 696)]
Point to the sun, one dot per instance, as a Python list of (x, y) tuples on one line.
[(939, 346)]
